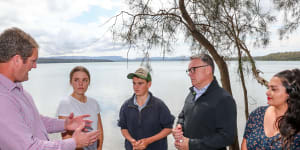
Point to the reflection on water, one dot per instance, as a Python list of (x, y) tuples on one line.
[(109, 85)]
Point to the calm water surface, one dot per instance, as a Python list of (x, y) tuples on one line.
[(109, 85)]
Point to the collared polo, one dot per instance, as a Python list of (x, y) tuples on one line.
[(22, 127)]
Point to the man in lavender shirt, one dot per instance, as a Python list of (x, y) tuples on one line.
[(21, 125)]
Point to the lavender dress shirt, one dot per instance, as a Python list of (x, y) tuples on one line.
[(21, 125)]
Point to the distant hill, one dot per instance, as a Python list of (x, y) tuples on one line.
[(75, 59), (292, 56), (285, 56), (104, 58), (179, 58), (69, 60)]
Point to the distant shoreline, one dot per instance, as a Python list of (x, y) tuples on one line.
[(50, 60), (95, 60), (76, 60), (285, 56)]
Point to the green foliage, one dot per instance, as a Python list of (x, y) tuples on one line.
[(291, 21)]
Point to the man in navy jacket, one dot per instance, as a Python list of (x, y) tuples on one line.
[(208, 118)]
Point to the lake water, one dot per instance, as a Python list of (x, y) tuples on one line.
[(109, 85)]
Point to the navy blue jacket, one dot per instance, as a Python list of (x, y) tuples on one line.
[(210, 122), (153, 118)]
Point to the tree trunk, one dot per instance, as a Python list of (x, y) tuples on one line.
[(218, 59), (243, 83)]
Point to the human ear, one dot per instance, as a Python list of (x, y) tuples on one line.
[(17, 59), (149, 84)]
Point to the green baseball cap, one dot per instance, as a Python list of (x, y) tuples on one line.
[(140, 73)]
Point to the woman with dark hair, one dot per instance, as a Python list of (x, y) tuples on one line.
[(78, 103), (277, 126)]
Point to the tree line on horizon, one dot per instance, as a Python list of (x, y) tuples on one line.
[(280, 56), (289, 56)]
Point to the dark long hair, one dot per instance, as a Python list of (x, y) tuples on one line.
[(289, 123)]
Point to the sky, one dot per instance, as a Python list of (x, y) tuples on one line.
[(77, 28)]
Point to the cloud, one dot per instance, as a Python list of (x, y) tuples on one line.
[(53, 24), (111, 4)]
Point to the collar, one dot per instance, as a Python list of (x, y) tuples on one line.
[(213, 84), (8, 84), (132, 100), (200, 92), (144, 105)]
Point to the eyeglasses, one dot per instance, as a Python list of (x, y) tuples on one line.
[(193, 69)]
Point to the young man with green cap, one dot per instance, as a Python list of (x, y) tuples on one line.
[(144, 119)]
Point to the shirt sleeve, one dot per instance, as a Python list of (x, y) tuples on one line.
[(53, 125), (166, 118), (63, 108), (225, 127), (122, 118), (98, 108), (181, 118), (17, 135)]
